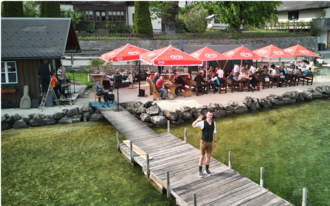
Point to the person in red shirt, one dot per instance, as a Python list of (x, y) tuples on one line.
[(159, 86), (55, 85)]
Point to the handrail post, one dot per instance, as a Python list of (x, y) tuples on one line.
[(131, 147), (148, 170), (168, 126), (118, 143), (185, 135), (168, 184), (304, 202), (195, 200), (229, 161), (261, 176)]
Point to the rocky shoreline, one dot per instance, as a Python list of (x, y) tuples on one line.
[(154, 115)]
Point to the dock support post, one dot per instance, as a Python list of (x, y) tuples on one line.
[(118, 143), (304, 202), (195, 200), (148, 171), (229, 161), (185, 135), (168, 126), (131, 147), (168, 184), (261, 176)]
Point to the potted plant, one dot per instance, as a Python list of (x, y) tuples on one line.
[(8, 89)]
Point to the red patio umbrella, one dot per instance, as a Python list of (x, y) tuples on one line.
[(170, 56), (272, 51), (242, 53), (125, 53), (207, 54), (299, 51)]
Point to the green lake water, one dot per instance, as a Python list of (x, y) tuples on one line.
[(292, 143), (78, 164)]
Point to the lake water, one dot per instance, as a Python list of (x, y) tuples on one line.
[(292, 143), (78, 164)]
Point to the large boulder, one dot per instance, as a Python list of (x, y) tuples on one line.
[(65, 111), (132, 104), (73, 112), (325, 90), (65, 120), (307, 94), (240, 108), (289, 100), (86, 116), (316, 94), (40, 116), (178, 113), (229, 109), (219, 113), (58, 115), (251, 103), (193, 109), (50, 121), (170, 115), (5, 126), (213, 106), (301, 97), (36, 122), (158, 120), (145, 117), (6, 115), (265, 103), (187, 115), (131, 110), (179, 121), (86, 108), (17, 117), (25, 119), (184, 109), (10, 120), (140, 110), (275, 99), (3, 119), (291, 95), (96, 117), (153, 110), (20, 124)]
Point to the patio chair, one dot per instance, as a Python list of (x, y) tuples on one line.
[(155, 93), (187, 91), (223, 85), (309, 79), (97, 97), (292, 80), (263, 81), (285, 81), (194, 84), (232, 85)]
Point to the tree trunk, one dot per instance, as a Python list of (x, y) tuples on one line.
[(235, 28)]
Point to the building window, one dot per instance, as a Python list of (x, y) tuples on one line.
[(293, 15), (103, 15), (216, 21), (97, 14), (89, 15), (8, 73), (115, 16)]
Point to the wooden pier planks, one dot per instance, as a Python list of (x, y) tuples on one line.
[(224, 187)]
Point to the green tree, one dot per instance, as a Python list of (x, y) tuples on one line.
[(142, 20), (247, 13), (30, 9), (97, 63), (167, 11), (74, 15), (195, 20), (50, 9), (12, 9)]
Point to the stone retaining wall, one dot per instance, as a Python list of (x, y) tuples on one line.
[(154, 115)]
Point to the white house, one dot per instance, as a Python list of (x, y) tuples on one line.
[(307, 11)]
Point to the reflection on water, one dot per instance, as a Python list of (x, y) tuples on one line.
[(75, 164), (292, 143)]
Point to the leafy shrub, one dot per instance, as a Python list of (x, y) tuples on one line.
[(122, 28), (195, 19)]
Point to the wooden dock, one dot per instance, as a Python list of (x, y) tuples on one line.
[(170, 154)]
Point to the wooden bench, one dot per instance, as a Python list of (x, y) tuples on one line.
[(231, 85), (223, 85), (309, 79), (195, 85), (155, 93), (187, 91)]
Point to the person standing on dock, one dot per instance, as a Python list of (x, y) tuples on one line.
[(209, 133)]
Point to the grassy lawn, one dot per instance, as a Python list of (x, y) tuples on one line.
[(80, 77), (75, 164)]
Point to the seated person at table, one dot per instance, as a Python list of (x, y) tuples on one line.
[(296, 71), (178, 79), (282, 76), (272, 65), (99, 90), (286, 70), (258, 72), (275, 73), (305, 73), (236, 69), (156, 77), (253, 69), (264, 67), (214, 78), (292, 66), (302, 64), (311, 63), (233, 78), (266, 75), (159, 86), (199, 79), (220, 73), (253, 81), (107, 78)]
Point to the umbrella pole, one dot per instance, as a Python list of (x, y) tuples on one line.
[(130, 67), (139, 78), (225, 64)]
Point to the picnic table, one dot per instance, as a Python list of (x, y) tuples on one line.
[(208, 85), (172, 87), (241, 82)]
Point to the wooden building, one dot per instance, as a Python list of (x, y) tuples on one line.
[(26, 41)]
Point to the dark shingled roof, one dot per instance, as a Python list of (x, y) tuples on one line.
[(219, 48), (302, 5), (34, 37)]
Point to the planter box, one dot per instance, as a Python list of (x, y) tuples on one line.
[(8, 90)]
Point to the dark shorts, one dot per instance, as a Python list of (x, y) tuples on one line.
[(205, 147)]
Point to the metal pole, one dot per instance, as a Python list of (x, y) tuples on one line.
[(229, 161), (195, 200), (185, 135), (304, 202), (131, 147), (118, 143), (139, 76), (168, 126), (261, 176), (168, 184), (148, 171)]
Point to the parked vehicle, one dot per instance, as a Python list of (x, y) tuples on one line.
[(214, 23)]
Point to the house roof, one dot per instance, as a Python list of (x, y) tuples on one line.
[(302, 5), (37, 38), (219, 48)]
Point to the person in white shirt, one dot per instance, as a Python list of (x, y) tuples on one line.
[(209, 133), (253, 69), (236, 68), (220, 73)]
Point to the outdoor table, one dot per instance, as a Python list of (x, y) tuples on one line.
[(98, 76), (241, 82), (172, 87), (300, 76), (208, 85), (277, 78)]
